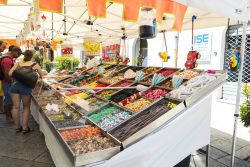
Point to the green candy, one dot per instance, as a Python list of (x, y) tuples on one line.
[(102, 113)]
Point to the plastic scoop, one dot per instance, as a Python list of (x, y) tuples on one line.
[(140, 88)]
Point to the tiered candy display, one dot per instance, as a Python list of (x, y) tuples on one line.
[(119, 112)]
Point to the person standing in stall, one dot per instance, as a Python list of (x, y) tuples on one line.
[(7, 62), (3, 46)]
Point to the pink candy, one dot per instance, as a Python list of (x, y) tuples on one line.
[(155, 93)]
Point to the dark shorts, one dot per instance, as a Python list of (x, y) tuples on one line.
[(19, 88), (7, 99)]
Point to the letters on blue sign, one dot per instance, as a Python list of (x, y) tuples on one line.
[(201, 39)]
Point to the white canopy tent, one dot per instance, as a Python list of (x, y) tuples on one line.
[(110, 28), (210, 13)]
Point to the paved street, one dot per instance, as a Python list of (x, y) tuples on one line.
[(17, 150)]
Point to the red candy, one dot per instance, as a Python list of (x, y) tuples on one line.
[(166, 72), (155, 94), (100, 85)]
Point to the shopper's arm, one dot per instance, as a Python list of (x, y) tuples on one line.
[(39, 70), (12, 69)]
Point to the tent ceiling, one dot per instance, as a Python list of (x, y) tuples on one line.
[(13, 16)]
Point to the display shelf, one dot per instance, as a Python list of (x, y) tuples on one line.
[(135, 124)]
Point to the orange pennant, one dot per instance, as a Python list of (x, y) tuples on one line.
[(51, 5), (4, 2), (10, 42), (97, 8)]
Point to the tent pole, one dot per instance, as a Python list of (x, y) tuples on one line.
[(64, 19), (237, 106), (176, 50), (52, 26)]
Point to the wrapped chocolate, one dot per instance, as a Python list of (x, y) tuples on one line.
[(114, 119)]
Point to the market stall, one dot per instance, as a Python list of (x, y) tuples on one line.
[(113, 126), (126, 120)]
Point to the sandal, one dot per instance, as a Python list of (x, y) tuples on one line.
[(18, 130), (28, 130)]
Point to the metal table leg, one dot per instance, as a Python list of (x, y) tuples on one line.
[(207, 155)]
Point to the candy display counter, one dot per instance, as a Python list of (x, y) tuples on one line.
[(93, 126)]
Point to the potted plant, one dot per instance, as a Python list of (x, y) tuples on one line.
[(245, 107), (47, 65), (66, 62)]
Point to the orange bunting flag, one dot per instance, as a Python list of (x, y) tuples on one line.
[(51, 5), (4, 2), (97, 8)]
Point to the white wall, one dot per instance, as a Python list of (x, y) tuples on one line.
[(156, 45), (218, 46)]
